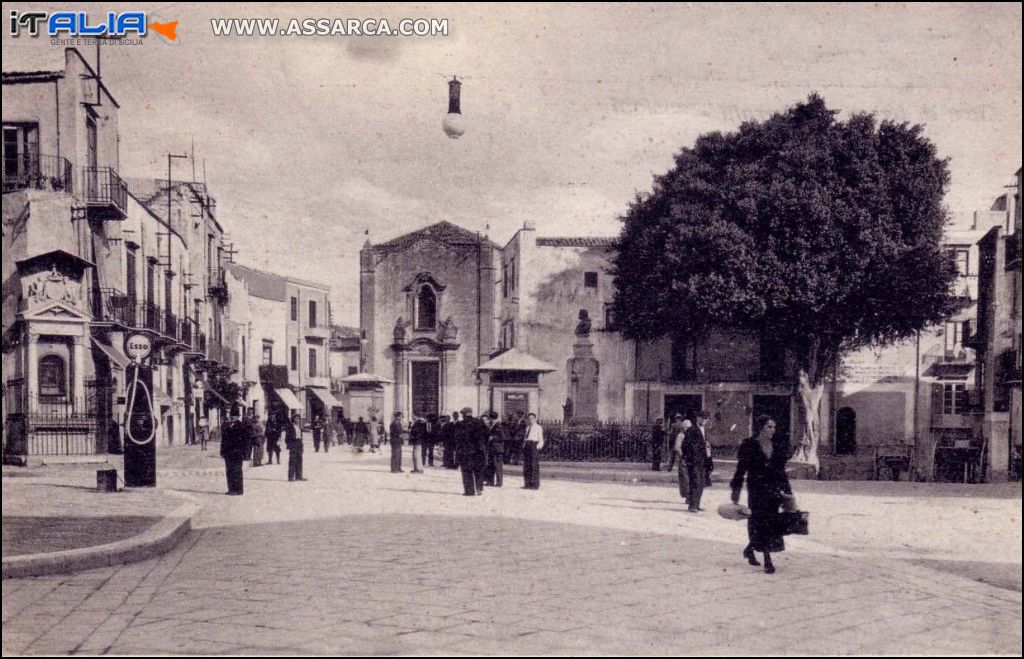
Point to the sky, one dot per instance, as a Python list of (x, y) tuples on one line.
[(308, 143)]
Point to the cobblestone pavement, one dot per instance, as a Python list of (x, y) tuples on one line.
[(358, 560)]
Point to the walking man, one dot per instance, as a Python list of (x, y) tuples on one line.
[(396, 444), (471, 449), (293, 440), (695, 457), (533, 442), (274, 428), (235, 447)]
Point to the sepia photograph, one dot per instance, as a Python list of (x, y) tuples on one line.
[(511, 329)]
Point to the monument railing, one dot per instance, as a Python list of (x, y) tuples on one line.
[(596, 442)]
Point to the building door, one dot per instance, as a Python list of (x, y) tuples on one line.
[(686, 404), (425, 388), (778, 408), (846, 431)]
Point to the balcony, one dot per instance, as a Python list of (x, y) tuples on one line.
[(170, 325), (187, 334), (36, 172), (104, 193), (152, 317), (218, 288), (113, 306)]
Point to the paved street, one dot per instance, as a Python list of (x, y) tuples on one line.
[(358, 560)]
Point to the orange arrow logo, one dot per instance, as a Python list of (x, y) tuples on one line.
[(168, 30)]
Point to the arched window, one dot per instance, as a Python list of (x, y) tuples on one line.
[(846, 431), (426, 308), (53, 377)]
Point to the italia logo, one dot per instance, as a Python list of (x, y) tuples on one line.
[(79, 24)]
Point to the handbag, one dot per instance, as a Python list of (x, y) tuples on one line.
[(795, 523)]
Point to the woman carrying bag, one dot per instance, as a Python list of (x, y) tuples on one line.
[(762, 459)]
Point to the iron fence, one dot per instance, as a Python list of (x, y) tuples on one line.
[(596, 442), (57, 425)]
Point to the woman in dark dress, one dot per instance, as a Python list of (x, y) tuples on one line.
[(762, 459)]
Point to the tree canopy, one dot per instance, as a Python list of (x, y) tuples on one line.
[(823, 234)]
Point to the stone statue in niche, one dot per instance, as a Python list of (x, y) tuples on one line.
[(400, 327), (583, 327), (447, 330)]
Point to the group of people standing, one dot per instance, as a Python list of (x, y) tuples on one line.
[(248, 439), (478, 446), (690, 447)]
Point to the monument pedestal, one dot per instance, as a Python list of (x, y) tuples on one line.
[(583, 375)]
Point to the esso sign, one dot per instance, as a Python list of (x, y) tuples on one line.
[(137, 347)]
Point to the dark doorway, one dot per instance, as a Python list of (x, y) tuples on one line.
[(686, 404), (425, 385), (846, 431), (778, 408)]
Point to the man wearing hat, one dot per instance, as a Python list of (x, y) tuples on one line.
[(235, 447), (471, 452), (396, 443)]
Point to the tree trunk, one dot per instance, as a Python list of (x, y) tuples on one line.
[(810, 395)]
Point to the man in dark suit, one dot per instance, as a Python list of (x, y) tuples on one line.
[(497, 441), (235, 448), (695, 457), (657, 444), (448, 432), (293, 441), (517, 431), (396, 431), (471, 451)]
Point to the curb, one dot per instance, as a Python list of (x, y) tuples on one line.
[(668, 479), (154, 541)]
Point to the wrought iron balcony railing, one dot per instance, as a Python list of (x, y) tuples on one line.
[(104, 191), (39, 172)]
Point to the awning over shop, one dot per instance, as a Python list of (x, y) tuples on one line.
[(289, 399), (113, 354), (951, 370), (513, 360), (326, 396)]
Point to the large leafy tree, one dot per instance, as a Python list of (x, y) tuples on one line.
[(823, 236)]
